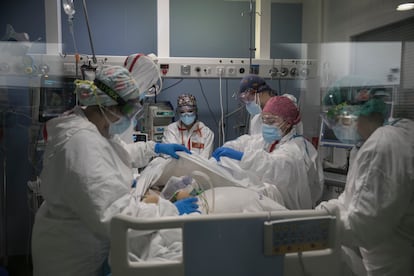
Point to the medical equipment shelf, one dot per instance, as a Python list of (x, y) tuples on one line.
[(169, 67), (189, 67)]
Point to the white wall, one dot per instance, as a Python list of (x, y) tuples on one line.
[(343, 19)]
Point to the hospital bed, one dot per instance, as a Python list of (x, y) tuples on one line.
[(303, 242)]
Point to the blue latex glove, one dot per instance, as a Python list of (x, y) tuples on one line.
[(228, 152), (187, 205), (170, 149)]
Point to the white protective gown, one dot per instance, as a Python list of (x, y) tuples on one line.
[(255, 127), (85, 181), (377, 206), (199, 139), (292, 168)]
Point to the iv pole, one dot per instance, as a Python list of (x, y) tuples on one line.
[(3, 206), (251, 49)]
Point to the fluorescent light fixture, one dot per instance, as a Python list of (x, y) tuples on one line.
[(405, 6)]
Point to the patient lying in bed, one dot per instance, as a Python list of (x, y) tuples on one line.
[(226, 199), (217, 192)]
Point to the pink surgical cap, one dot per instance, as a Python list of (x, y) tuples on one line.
[(283, 107)]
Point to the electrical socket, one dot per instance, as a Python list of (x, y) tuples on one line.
[(231, 71), (220, 70), (185, 69)]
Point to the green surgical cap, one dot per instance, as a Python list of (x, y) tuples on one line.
[(372, 106)]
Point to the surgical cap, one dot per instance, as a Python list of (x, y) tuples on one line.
[(372, 106), (348, 90), (283, 107), (292, 98), (116, 78), (145, 72), (253, 82), (186, 100)]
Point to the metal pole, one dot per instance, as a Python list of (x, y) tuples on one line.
[(89, 32), (3, 206), (251, 37)]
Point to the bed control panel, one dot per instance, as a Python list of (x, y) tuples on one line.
[(298, 235)]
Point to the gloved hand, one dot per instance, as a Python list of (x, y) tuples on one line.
[(187, 205), (228, 152), (170, 149)]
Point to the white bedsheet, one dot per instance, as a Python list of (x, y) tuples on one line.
[(228, 195)]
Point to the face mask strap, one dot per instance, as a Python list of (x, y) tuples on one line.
[(257, 98)]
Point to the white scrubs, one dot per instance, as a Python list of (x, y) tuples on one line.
[(377, 206), (291, 167), (86, 180), (199, 139)]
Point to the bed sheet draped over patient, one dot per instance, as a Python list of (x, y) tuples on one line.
[(221, 188), (218, 191)]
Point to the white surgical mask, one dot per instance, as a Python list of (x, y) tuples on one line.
[(120, 126), (253, 108), (128, 135)]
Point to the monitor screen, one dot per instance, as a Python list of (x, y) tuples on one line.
[(56, 96), (139, 137)]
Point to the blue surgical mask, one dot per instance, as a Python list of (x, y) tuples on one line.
[(253, 108), (347, 134), (187, 119), (119, 126), (271, 133)]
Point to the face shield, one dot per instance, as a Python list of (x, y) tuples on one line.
[(342, 119), (349, 98), (129, 108), (248, 95)]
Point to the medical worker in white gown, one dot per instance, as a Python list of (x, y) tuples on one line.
[(254, 92), (87, 177), (286, 162), (376, 209), (188, 130)]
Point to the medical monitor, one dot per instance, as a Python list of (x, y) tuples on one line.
[(56, 96)]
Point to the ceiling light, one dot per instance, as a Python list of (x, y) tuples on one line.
[(405, 6)]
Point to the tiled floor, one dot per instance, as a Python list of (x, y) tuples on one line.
[(19, 266)]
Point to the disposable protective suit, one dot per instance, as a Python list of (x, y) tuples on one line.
[(376, 209), (86, 180), (199, 139), (291, 166)]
